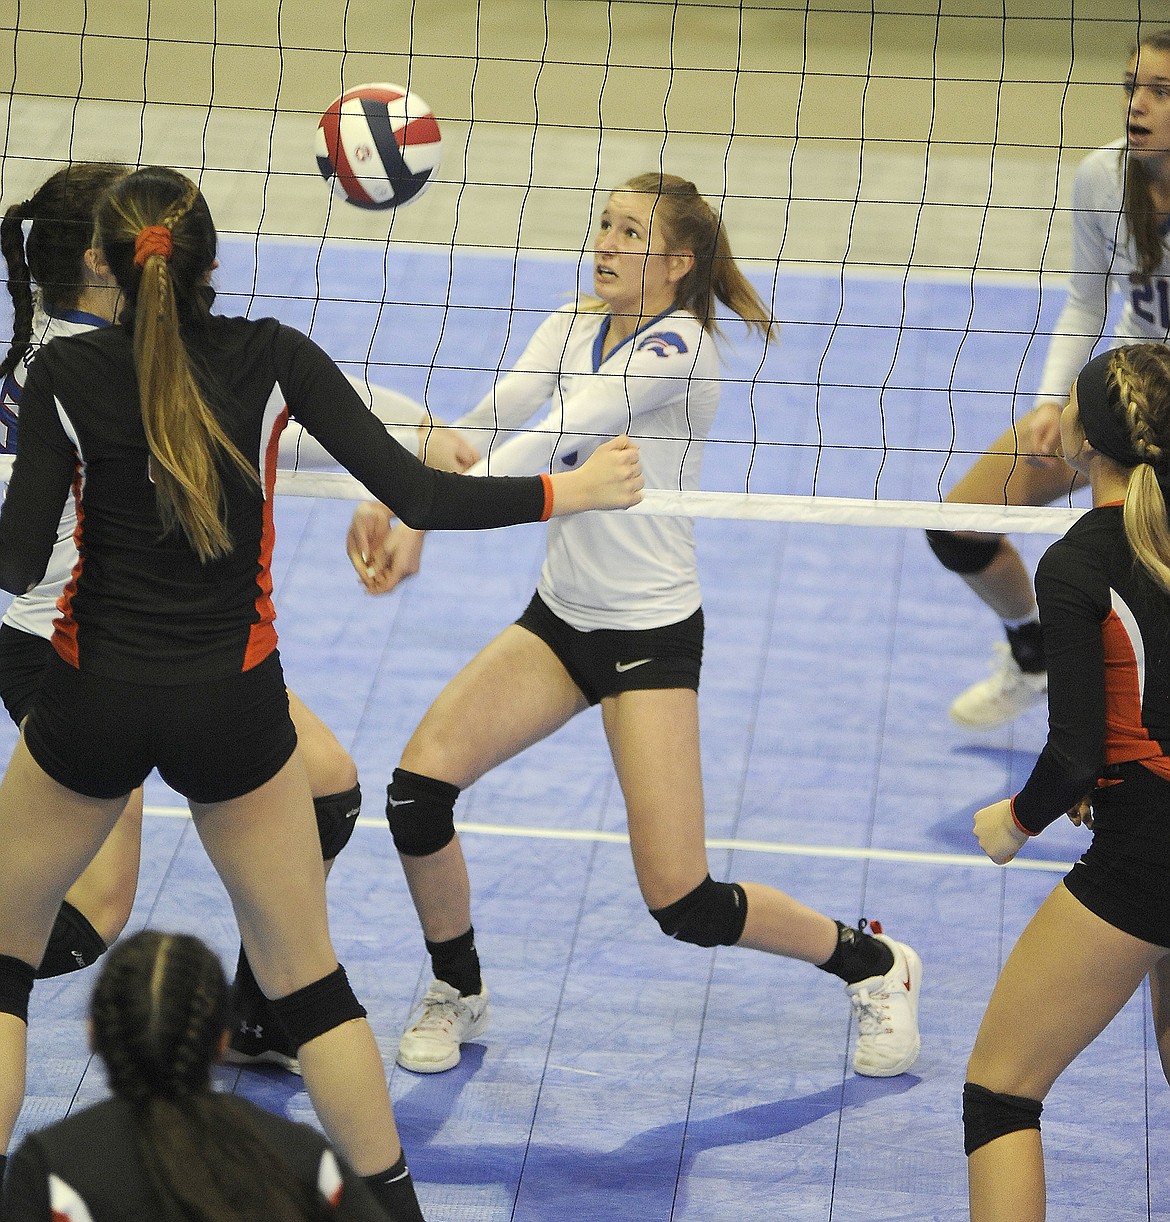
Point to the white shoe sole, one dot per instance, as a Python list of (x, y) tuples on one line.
[(477, 1028)]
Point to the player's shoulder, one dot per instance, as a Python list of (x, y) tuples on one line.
[(1103, 168), (1086, 553), (675, 336)]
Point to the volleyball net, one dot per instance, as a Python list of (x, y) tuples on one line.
[(894, 179)]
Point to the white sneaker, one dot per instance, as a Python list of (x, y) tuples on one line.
[(447, 1020), (1005, 694), (887, 1015)]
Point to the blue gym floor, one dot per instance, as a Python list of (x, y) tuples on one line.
[(625, 1077)]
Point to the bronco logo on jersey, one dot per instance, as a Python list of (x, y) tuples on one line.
[(664, 343)]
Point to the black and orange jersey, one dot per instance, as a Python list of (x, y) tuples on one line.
[(87, 1168), (1107, 640), (140, 603)]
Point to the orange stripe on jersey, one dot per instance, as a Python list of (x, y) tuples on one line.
[(262, 635), (1126, 738), (65, 627)]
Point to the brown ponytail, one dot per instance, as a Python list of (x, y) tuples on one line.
[(1141, 217), (689, 223)]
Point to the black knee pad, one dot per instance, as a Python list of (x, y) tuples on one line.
[(318, 1007), (73, 944), (421, 813), (961, 555), (336, 818), (987, 1114), (713, 914), (16, 982)]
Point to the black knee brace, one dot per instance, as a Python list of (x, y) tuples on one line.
[(16, 982), (73, 944), (336, 818), (987, 1114), (713, 914), (961, 555), (318, 1007), (421, 813)]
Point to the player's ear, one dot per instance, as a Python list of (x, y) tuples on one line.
[(679, 265), (95, 260)]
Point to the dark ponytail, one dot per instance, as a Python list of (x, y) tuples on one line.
[(61, 212)]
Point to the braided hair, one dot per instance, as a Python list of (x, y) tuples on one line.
[(166, 288), (1141, 373), (158, 1014), (61, 211)]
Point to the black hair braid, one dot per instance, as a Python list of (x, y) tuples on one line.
[(19, 285), (62, 213), (159, 1010)]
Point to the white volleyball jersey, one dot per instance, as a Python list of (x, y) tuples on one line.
[(661, 387), (35, 611), (1103, 260)]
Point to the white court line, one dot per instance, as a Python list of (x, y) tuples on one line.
[(905, 856)]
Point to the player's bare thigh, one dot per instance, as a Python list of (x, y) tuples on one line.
[(512, 694)]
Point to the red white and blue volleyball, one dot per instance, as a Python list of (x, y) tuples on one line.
[(379, 146)]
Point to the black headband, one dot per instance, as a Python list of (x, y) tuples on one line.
[(1101, 413)]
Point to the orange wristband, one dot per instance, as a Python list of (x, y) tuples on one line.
[(1012, 808), (546, 480)]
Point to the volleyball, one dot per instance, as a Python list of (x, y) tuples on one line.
[(378, 146)]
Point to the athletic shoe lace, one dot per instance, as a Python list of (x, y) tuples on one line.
[(438, 1013), (870, 1011)]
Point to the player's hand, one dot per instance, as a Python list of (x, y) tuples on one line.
[(611, 478), (1038, 435), (399, 557), (369, 530), (445, 448), (997, 833), (1082, 813)]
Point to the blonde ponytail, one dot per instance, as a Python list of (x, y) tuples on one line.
[(185, 437)]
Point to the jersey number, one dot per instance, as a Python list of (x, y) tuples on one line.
[(1152, 302)]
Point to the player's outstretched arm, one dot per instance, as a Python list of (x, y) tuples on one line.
[(384, 555), (1038, 434), (611, 478), (445, 448)]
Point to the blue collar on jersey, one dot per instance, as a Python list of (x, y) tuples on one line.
[(81, 317), (603, 331)]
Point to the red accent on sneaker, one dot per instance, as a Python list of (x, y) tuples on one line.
[(875, 927)]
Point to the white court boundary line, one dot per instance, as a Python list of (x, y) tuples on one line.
[(780, 847)]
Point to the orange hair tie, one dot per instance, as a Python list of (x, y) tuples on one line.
[(153, 240)]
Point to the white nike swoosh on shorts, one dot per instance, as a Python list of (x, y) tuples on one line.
[(622, 667)]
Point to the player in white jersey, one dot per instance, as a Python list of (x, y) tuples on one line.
[(72, 296), (617, 621), (1120, 213)]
